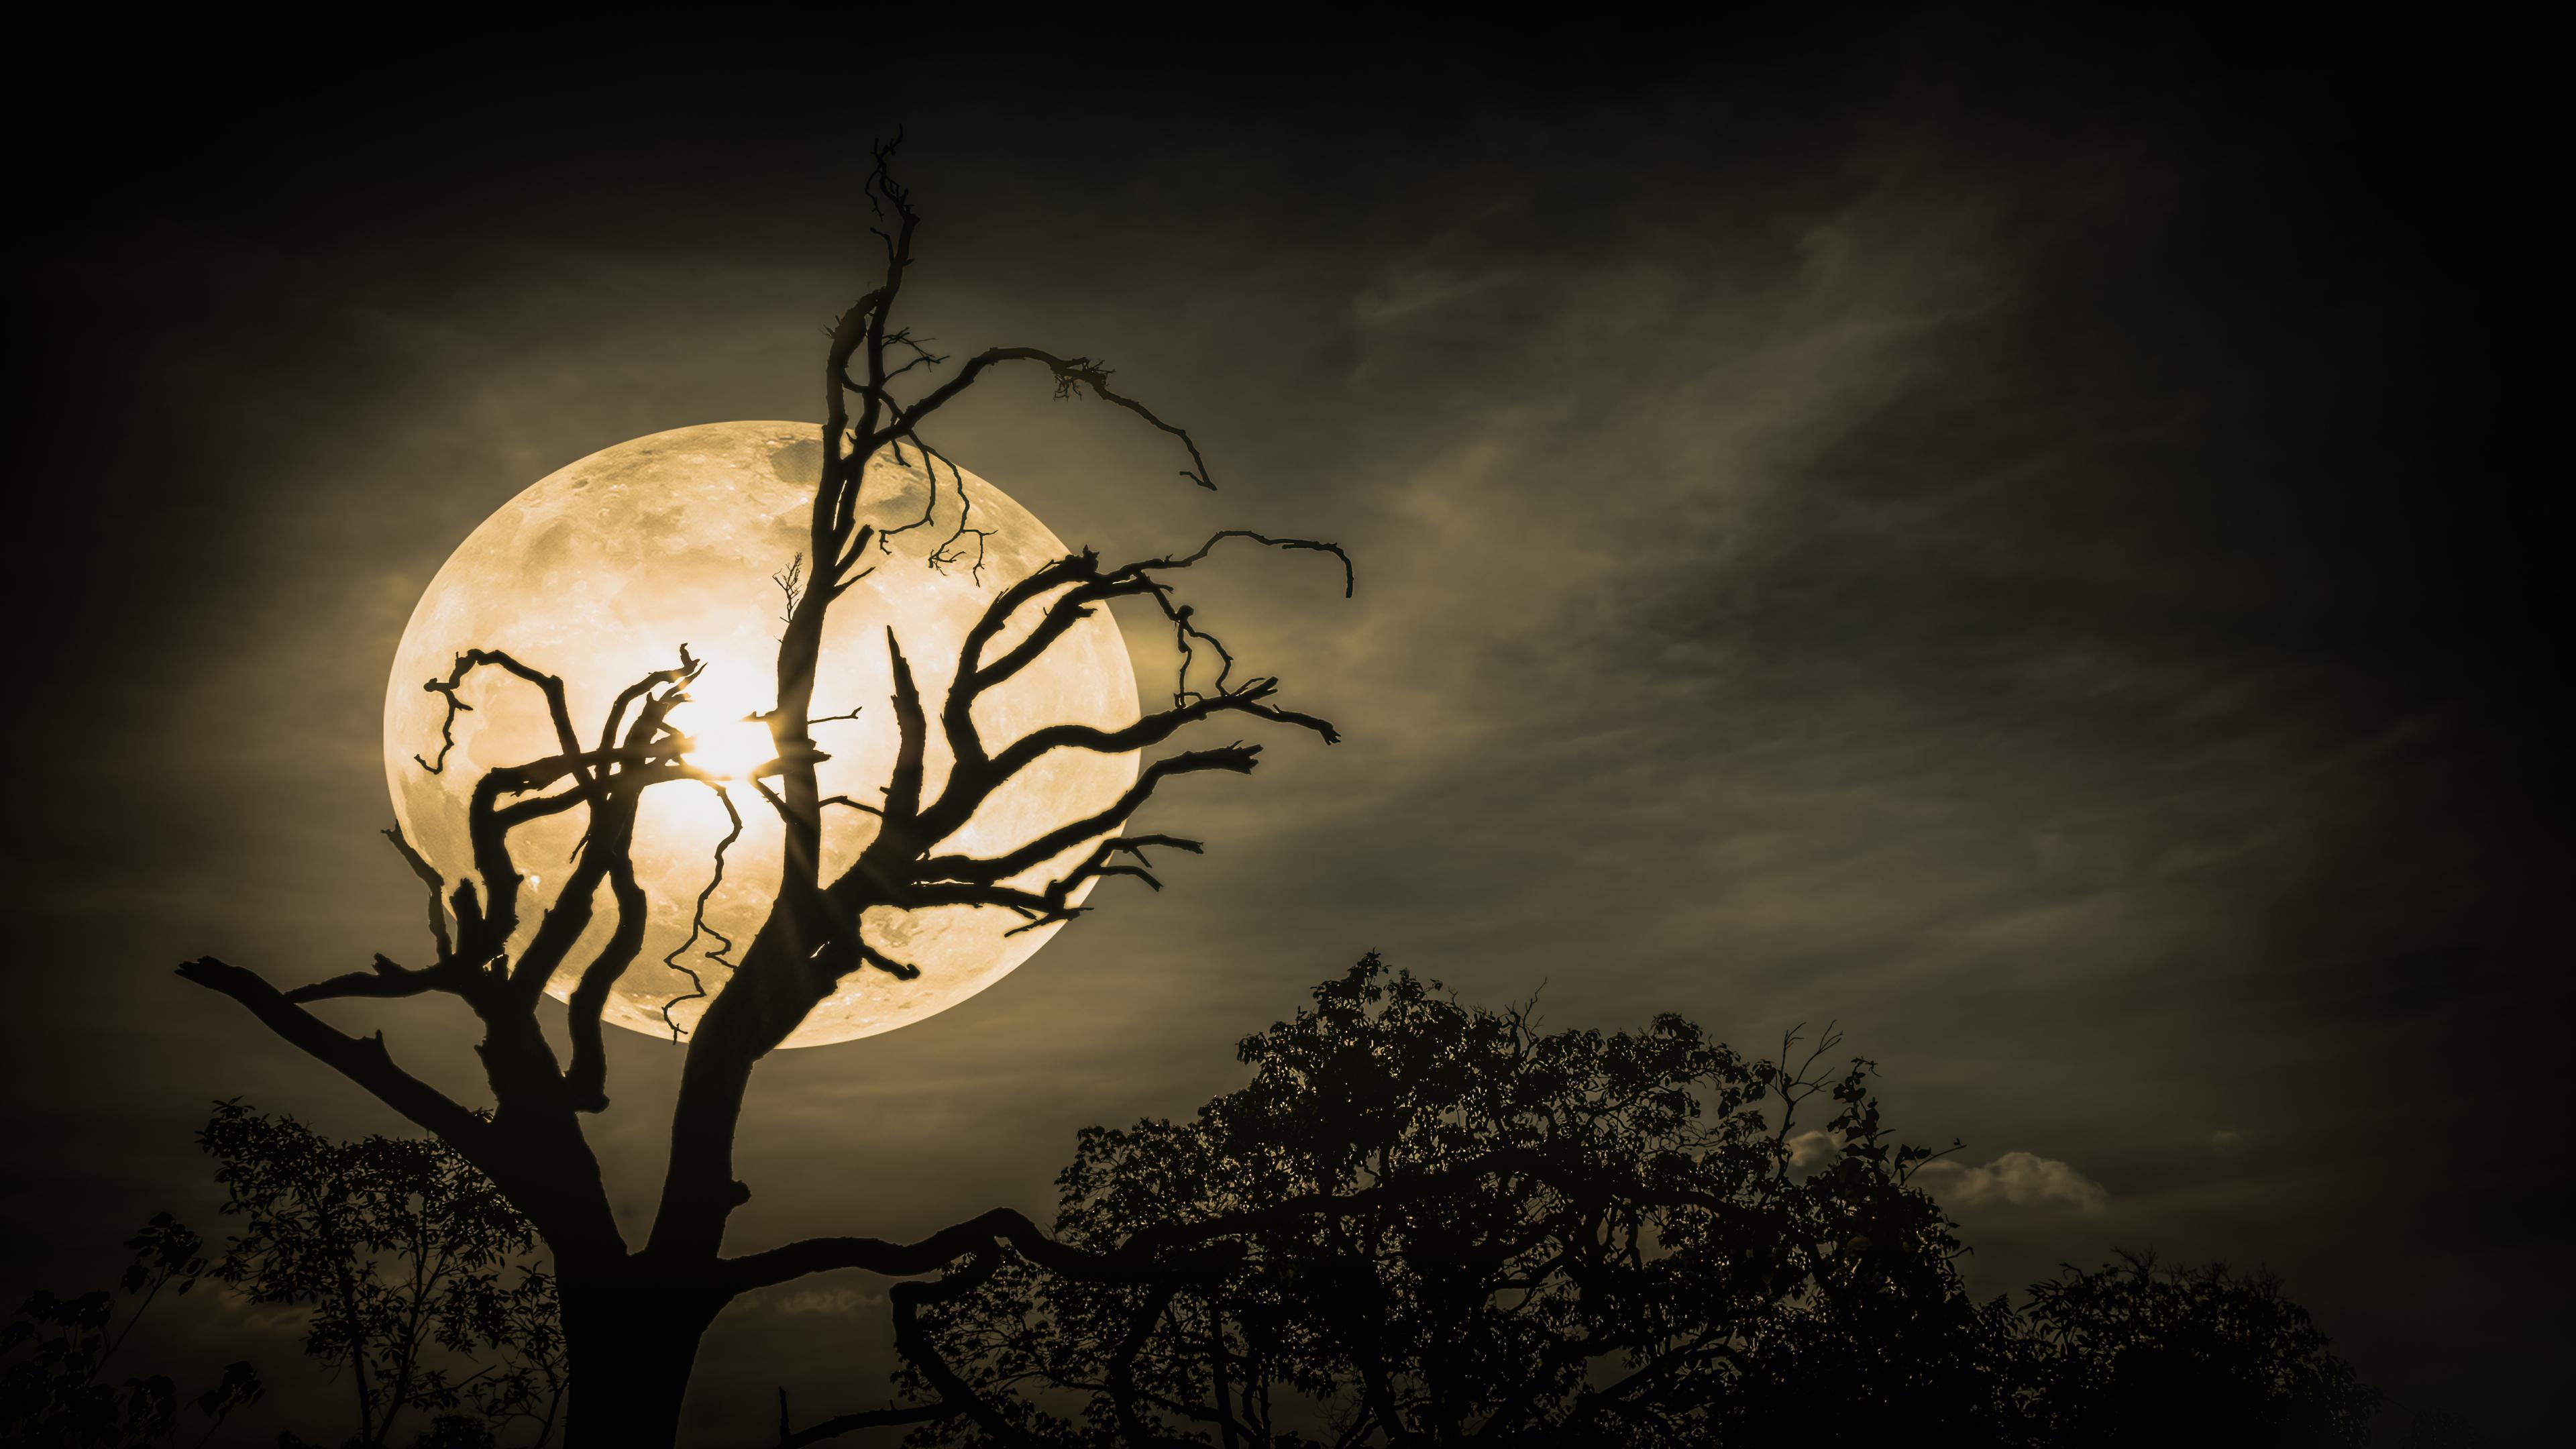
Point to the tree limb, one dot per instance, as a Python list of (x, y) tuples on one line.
[(907, 1260), (1236, 759), (389, 980), (1072, 375), (429, 877), (363, 1060)]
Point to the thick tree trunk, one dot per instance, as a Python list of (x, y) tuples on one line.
[(630, 1337)]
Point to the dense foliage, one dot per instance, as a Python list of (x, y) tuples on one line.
[(1425, 1223), (2138, 1353)]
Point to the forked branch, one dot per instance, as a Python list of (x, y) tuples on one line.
[(363, 1060)]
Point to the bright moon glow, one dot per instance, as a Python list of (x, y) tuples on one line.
[(599, 572)]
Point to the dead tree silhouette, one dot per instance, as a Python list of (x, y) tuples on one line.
[(633, 1315)]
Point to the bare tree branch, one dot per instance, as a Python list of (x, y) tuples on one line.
[(886, 1259), (429, 877), (698, 925), (1153, 729), (466, 663), (900, 971), (1049, 905), (586, 1078), (362, 1060), (1235, 759), (388, 980), (1072, 376)]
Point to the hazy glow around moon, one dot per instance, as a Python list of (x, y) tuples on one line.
[(601, 570)]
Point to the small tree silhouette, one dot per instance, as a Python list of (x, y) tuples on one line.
[(633, 1314), (406, 1258), (403, 1258)]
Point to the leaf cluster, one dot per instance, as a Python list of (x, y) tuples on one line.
[(410, 1266), (55, 1387)]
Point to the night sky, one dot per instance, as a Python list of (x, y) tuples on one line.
[(2025, 545)]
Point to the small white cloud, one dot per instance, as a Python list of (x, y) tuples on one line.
[(2022, 1179), (1812, 1147)]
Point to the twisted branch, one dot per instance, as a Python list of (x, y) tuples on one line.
[(472, 659), (698, 916)]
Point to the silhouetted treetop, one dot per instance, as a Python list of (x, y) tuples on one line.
[(1445, 1221), (1426, 1223), (2139, 1352)]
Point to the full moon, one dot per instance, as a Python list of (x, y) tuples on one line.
[(599, 572)]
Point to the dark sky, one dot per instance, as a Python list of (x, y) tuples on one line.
[(2025, 544)]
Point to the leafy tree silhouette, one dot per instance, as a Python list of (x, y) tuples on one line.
[(404, 1259), (2140, 1353), (1423, 1222), (55, 1390), (633, 1314), (411, 1267), (1427, 1224)]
